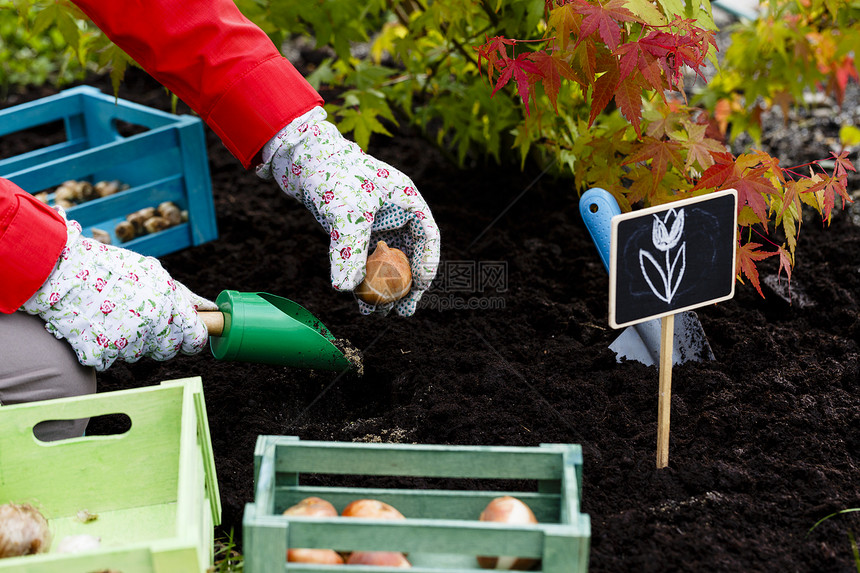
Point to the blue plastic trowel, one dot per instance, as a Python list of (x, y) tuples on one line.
[(640, 342)]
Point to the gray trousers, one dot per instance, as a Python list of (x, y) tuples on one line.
[(34, 365)]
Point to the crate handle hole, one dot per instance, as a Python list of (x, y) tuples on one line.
[(127, 129), (102, 425)]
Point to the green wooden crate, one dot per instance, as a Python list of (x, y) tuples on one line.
[(441, 533), (153, 487)]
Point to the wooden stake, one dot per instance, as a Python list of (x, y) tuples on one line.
[(664, 403)]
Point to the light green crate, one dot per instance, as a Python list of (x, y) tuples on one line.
[(441, 533), (153, 487)]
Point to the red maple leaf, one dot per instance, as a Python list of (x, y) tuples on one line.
[(746, 175), (842, 72), (784, 264), (524, 72), (832, 187), (843, 165), (633, 58), (493, 50), (552, 68), (604, 19), (752, 187), (793, 189), (748, 254), (676, 50), (603, 91), (695, 36), (661, 153), (628, 96), (716, 175)]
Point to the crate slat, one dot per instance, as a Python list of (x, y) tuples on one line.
[(428, 503), (40, 156), (426, 461), (415, 535)]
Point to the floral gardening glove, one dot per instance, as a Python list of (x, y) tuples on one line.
[(358, 200), (111, 304)]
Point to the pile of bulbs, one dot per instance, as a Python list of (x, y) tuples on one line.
[(149, 220), (142, 222), (72, 192), (504, 509)]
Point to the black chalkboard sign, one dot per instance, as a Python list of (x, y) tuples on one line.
[(672, 258)]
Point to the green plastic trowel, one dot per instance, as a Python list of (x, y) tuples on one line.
[(267, 329)]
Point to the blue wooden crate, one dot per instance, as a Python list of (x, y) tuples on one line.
[(165, 161), (441, 532)]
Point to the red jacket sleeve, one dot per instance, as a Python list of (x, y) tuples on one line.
[(215, 60), (219, 63), (32, 236)]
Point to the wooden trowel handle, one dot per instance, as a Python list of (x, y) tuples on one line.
[(214, 321)]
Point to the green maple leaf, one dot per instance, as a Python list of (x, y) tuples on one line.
[(662, 120), (23, 8), (642, 185), (359, 114), (363, 123), (793, 191), (389, 39), (673, 8), (647, 12), (703, 15), (46, 18), (59, 16), (700, 149), (789, 210), (367, 76), (789, 225), (584, 63), (563, 22), (114, 58)]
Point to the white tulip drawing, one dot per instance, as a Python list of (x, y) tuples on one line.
[(665, 240)]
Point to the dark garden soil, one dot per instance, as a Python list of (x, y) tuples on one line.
[(765, 440)]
